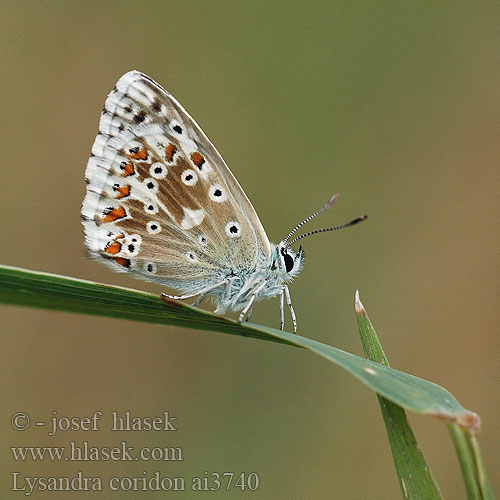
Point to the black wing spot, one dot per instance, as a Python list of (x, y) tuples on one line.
[(140, 117), (156, 105), (178, 129)]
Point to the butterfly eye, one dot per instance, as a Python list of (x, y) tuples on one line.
[(287, 259), (288, 262)]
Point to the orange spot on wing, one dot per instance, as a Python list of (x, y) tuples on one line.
[(113, 248), (123, 262), (170, 150), (197, 159), (142, 154), (123, 191), (127, 169), (114, 214)]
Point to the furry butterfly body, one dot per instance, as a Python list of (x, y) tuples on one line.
[(162, 204)]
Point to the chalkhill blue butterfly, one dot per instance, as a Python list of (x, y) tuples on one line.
[(162, 205)]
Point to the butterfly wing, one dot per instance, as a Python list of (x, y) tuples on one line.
[(161, 202)]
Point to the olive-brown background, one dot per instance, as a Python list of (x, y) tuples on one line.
[(393, 104)]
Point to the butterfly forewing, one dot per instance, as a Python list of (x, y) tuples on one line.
[(160, 200)]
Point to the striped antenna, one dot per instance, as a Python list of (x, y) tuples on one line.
[(334, 228), (331, 201)]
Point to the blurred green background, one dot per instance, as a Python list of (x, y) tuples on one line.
[(393, 104)]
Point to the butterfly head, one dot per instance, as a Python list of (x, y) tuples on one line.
[(289, 262)]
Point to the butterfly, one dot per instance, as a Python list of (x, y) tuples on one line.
[(162, 204)]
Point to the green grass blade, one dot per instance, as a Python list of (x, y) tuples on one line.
[(62, 293), (49, 291), (414, 474), (473, 469)]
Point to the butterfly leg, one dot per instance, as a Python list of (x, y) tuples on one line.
[(292, 312), (198, 300), (247, 310), (228, 288), (202, 292), (282, 309)]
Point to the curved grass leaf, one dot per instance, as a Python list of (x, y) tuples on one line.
[(473, 468), (415, 477), (49, 291), (414, 474)]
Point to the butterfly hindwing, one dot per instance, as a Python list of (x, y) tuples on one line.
[(160, 200)]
